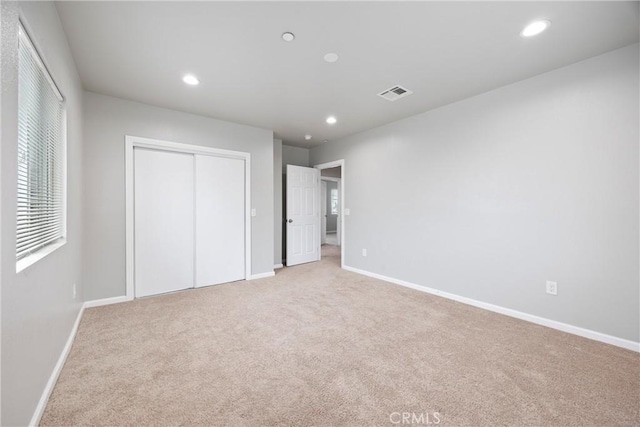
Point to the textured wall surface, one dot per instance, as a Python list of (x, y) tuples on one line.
[(38, 308), (490, 197), (107, 121)]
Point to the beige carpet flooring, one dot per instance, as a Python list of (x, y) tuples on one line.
[(332, 238), (316, 345)]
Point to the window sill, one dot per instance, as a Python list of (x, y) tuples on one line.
[(31, 259)]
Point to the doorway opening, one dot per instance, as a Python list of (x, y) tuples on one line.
[(332, 210)]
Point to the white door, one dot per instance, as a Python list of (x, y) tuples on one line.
[(163, 221), (323, 218), (220, 220), (303, 219)]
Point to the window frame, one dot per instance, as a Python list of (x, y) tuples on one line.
[(38, 252), (336, 199)]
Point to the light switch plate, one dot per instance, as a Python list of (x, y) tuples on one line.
[(347, 211), (253, 212)]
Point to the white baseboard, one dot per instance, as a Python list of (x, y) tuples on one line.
[(277, 266), (586, 333), (564, 327), (106, 301), (48, 389), (44, 398), (262, 275)]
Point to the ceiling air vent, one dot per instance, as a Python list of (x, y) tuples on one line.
[(395, 93)]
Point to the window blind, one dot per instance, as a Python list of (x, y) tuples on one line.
[(41, 151)]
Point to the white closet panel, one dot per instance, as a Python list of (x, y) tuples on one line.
[(220, 220), (164, 221)]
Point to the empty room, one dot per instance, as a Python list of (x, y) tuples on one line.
[(329, 213)]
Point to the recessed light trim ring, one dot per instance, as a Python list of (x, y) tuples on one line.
[(331, 57), (190, 79), (288, 36), (534, 28)]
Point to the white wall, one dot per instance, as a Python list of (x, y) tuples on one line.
[(38, 310), (332, 172), (107, 121), (489, 197), (294, 156), (277, 201)]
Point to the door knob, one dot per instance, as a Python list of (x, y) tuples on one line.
[(290, 221)]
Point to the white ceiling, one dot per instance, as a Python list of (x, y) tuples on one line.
[(443, 52)]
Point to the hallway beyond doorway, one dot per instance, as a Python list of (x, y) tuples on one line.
[(332, 238)]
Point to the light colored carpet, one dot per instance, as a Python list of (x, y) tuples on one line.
[(317, 345), (332, 238)]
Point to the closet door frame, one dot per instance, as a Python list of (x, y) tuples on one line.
[(132, 142)]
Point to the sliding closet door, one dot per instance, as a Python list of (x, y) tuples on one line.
[(164, 221), (220, 220)]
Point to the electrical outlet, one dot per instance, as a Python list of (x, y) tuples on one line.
[(347, 211), (364, 252), (253, 212), (552, 288), (75, 291)]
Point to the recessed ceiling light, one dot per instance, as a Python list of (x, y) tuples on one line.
[(288, 37), (325, 141), (331, 120), (535, 28), (190, 79), (307, 137), (331, 57)]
